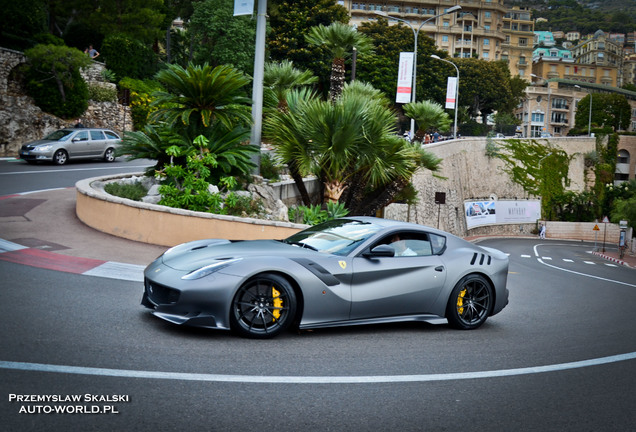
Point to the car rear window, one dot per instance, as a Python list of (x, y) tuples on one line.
[(111, 135)]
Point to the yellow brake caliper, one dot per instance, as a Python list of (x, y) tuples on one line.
[(460, 302), (278, 303)]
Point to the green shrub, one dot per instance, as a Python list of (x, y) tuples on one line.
[(135, 191), (128, 57), (102, 93), (270, 169), (314, 214)]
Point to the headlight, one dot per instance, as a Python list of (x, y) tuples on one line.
[(43, 148), (209, 269)]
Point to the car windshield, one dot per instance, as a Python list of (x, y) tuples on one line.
[(60, 135), (338, 237)]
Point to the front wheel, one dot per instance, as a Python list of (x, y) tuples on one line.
[(60, 157), (263, 307), (470, 303)]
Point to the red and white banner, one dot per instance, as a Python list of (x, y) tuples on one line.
[(451, 92), (405, 78)]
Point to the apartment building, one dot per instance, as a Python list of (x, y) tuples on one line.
[(602, 51), (475, 31), (518, 28)]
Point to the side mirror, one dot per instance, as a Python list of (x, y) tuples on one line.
[(380, 251)]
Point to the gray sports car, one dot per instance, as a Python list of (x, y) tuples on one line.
[(349, 271)]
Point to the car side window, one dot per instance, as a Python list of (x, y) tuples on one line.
[(409, 244), (97, 135), (81, 136), (111, 135)]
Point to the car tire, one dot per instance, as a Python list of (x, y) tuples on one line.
[(60, 157), (263, 307), (470, 303), (109, 155)]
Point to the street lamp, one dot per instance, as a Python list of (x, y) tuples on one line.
[(415, 34), (456, 91), (589, 120)]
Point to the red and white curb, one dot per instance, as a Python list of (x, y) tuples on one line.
[(616, 260), (15, 253)]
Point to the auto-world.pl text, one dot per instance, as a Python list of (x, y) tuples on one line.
[(68, 404)]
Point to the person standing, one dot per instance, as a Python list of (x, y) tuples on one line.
[(542, 232), (92, 52)]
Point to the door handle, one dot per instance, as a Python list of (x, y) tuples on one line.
[(439, 268)]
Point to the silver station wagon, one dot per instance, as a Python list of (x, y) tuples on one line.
[(74, 143)]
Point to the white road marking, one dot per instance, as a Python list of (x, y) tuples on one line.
[(547, 258), (526, 256), (611, 265), (274, 379), (121, 271), (589, 262), (567, 260), (75, 169)]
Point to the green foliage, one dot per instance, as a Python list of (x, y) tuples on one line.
[(135, 191), (541, 171), (429, 116), (127, 57), (219, 38), (140, 99), (314, 214), (102, 93), (609, 110), (270, 167), (202, 95), (54, 80), (20, 23), (290, 21), (136, 19)]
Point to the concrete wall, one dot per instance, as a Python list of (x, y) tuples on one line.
[(468, 174), (166, 226)]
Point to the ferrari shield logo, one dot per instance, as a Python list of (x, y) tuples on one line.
[(343, 264)]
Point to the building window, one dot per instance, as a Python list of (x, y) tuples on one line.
[(538, 117), (445, 38), (486, 55), (487, 14), (486, 41), (446, 24), (487, 27), (623, 157), (523, 42)]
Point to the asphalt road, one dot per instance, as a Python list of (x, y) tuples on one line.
[(559, 357), (16, 176)]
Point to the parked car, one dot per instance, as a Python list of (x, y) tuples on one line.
[(73, 143), (347, 271)]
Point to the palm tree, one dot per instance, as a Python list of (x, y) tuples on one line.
[(202, 95), (350, 145), (280, 78), (427, 115), (339, 39)]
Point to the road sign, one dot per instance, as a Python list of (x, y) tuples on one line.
[(596, 228), (605, 219)]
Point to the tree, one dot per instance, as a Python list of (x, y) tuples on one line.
[(118, 50), (484, 86), (339, 40), (19, 24), (54, 80), (350, 145), (427, 115), (290, 20), (280, 78), (219, 38), (203, 96), (137, 19), (611, 110)]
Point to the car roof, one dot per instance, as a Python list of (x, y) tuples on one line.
[(390, 223)]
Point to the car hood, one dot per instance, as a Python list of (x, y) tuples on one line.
[(194, 255), (40, 142)]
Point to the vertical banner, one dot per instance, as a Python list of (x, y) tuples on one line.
[(243, 7), (405, 78), (451, 89)]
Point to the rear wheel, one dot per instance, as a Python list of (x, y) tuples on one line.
[(60, 157), (470, 303), (109, 155), (263, 307)]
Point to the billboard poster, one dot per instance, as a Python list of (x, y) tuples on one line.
[(480, 213), (405, 78)]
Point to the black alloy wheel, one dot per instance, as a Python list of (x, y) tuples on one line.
[(470, 303), (263, 307)]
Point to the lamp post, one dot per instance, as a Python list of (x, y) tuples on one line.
[(589, 119), (415, 34), (456, 91)]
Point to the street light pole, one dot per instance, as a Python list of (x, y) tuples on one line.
[(456, 91), (415, 35)]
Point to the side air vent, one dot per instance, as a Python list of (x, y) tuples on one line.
[(482, 258)]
